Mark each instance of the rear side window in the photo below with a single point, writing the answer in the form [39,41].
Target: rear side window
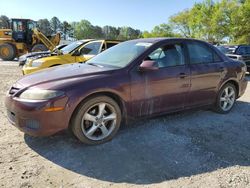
[109,45]
[201,53]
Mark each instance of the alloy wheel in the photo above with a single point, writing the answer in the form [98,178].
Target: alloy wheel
[99,121]
[227,98]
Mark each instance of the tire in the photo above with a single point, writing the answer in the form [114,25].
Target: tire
[7,52]
[94,126]
[228,98]
[39,48]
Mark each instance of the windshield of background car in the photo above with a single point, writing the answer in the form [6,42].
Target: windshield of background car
[121,54]
[243,50]
[71,47]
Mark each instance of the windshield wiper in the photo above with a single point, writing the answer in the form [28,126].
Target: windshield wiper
[94,64]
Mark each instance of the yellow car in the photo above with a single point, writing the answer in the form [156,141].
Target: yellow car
[79,51]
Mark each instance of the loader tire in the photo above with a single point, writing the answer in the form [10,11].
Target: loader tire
[7,52]
[39,48]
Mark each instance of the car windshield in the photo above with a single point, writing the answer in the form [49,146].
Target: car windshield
[244,50]
[121,54]
[71,47]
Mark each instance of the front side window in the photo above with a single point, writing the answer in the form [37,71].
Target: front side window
[168,56]
[92,48]
[199,53]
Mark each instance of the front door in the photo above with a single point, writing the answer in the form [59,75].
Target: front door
[164,89]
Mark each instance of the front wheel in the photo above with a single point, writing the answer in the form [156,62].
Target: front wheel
[226,99]
[97,120]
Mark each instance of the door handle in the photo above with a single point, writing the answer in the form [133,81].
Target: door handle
[183,75]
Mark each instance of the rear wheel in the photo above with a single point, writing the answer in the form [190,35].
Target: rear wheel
[226,99]
[39,48]
[97,120]
[7,52]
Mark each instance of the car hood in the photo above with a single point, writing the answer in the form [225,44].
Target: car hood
[25,56]
[57,58]
[61,73]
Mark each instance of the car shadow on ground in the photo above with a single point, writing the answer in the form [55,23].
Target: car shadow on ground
[159,149]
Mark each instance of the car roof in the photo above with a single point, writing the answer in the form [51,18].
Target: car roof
[107,40]
[155,40]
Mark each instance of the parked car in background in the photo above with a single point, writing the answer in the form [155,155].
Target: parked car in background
[28,68]
[241,53]
[135,79]
[85,51]
[35,55]
[223,49]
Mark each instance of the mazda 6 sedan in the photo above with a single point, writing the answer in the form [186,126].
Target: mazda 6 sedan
[134,79]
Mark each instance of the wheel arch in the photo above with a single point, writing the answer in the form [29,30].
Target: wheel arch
[55,65]
[118,99]
[235,83]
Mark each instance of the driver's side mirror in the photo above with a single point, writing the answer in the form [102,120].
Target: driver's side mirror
[148,65]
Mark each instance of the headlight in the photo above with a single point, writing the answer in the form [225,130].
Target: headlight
[40,94]
[37,63]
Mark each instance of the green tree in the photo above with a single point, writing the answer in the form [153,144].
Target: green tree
[44,26]
[181,23]
[66,29]
[241,24]
[127,33]
[162,30]
[110,32]
[97,32]
[208,20]
[4,22]
[84,29]
[55,24]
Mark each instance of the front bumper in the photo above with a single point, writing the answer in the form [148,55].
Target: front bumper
[31,117]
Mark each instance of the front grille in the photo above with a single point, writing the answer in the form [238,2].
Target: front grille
[13,90]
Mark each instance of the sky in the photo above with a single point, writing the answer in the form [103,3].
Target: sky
[139,14]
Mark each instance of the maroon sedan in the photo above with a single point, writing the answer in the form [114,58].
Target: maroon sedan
[138,78]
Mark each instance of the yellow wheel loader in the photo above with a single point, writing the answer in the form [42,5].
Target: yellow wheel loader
[23,37]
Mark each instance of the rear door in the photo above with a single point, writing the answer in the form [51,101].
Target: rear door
[207,71]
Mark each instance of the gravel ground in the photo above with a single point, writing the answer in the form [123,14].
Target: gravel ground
[188,149]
